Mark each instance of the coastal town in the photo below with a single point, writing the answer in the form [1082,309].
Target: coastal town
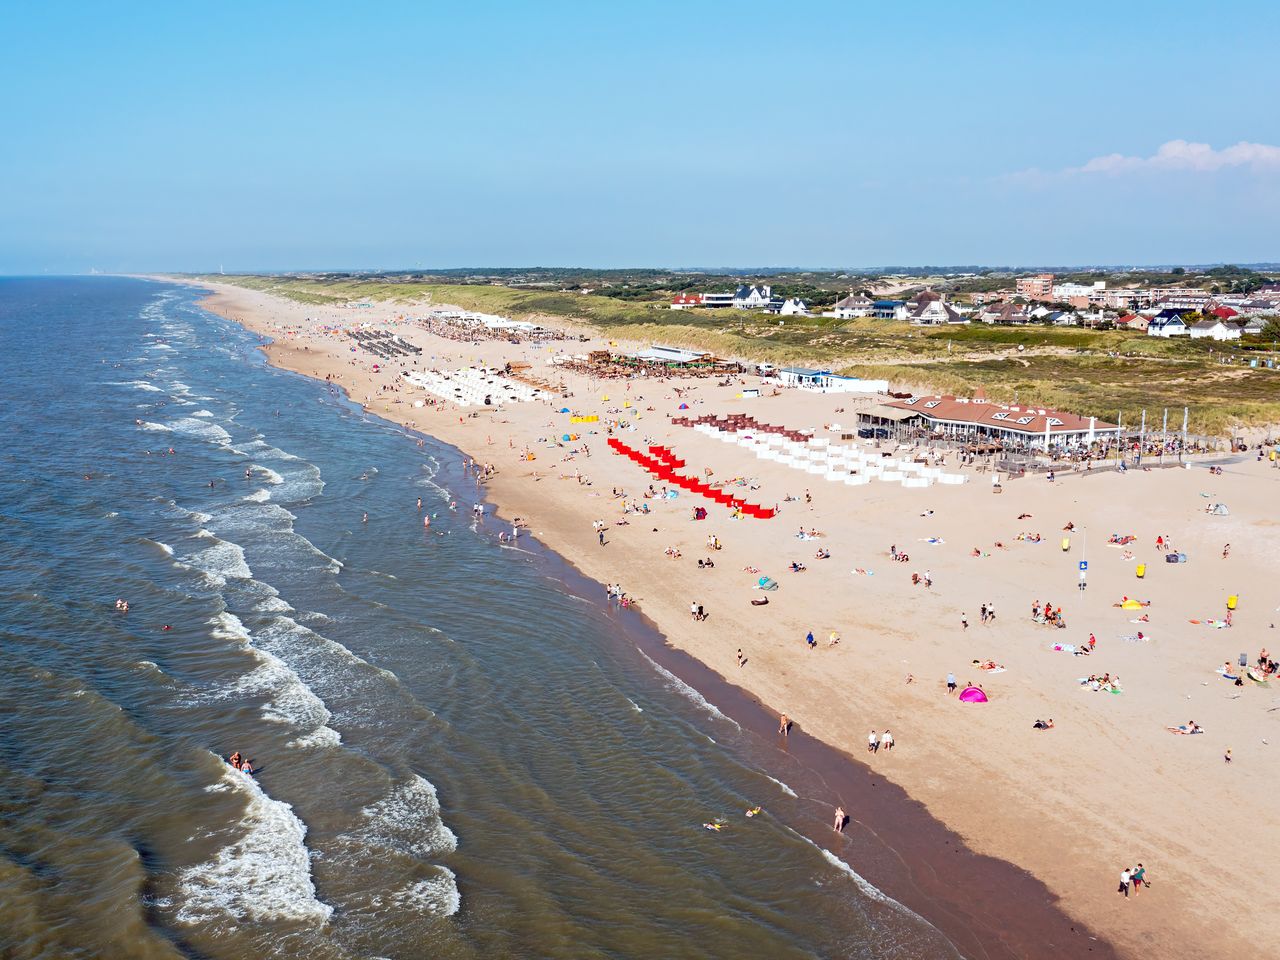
[1158,311]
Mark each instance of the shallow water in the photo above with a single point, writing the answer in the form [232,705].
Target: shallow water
[462,753]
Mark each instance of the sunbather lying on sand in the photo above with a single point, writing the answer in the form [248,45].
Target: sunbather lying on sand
[1187,729]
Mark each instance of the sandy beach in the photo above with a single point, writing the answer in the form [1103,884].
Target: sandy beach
[1108,787]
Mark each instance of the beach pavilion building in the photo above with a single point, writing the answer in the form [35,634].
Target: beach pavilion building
[979,420]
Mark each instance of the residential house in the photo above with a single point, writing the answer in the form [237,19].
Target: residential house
[1163,326]
[889,310]
[854,305]
[752,297]
[687,301]
[1063,318]
[717,300]
[1252,327]
[1223,313]
[1214,329]
[1005,313]
[1132,321]
[792,307]
[929,309]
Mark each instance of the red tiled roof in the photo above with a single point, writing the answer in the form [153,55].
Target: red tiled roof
[1225,313]
[1023,419]
[684,298]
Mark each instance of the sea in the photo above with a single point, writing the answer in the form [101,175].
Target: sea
[462,748]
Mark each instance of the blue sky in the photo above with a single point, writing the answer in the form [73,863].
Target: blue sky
[140,136]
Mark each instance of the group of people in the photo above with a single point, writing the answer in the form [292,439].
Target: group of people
[1133,877]
[877,742]
[1049,615]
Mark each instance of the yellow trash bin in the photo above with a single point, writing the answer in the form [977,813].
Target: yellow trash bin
[1232,601]
[1140,570]
[1066,544]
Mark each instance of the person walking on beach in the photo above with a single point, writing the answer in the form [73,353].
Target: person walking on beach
[982,613]
[873,742]
[886,740]
[600,534]
[951,683]
[784,725]
[964,621]
[810,641]
[1125,877]
[1139,877]
[741,657]
[838,824]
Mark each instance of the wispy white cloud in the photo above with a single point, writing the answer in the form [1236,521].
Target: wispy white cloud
[1183,155]
[1174,156]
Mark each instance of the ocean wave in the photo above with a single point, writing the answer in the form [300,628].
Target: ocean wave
[269,475]
[408,820]
[162,547]
[867,888]
[263,875]
[258,496]
[688,692]
[136,384]
[437,895]
[301,485]
[154,427]
[203,413]
[218,562]
[785,789]
[292,702]
[201,429]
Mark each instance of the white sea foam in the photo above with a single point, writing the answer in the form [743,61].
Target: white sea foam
[219,561]
[164,547]
[268,474]
[301,484]
[408,820]
[686,691]
[635,705]
[200,429]
[263,875]
[258,496]
[868,889]
[785,789]
[292,702]
[437,895]
[154,427]
[203,413]
[137,385]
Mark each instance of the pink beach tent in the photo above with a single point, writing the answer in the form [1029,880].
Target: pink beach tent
[973,695]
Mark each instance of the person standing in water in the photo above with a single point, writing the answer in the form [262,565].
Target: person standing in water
[838,825]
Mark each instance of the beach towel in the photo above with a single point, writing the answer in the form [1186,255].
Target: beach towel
[1064,647]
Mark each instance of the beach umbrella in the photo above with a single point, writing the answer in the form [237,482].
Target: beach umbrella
[973,695]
